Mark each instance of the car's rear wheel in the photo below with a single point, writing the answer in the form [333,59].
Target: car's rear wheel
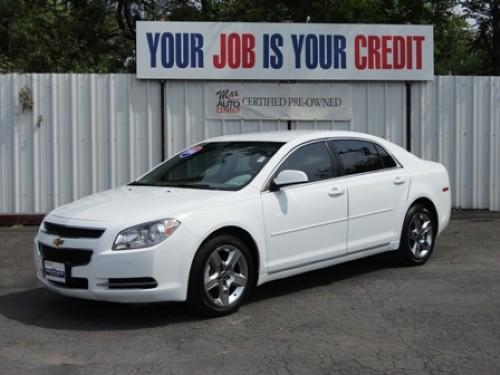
[418,236]
[221,276]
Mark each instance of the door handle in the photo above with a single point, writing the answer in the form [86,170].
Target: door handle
[335,192]
[399,181]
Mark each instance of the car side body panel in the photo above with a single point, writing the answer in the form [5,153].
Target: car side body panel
[432,183]
[243,213]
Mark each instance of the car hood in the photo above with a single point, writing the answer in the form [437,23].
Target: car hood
[146,202]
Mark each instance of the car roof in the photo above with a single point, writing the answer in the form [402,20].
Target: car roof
[287,136]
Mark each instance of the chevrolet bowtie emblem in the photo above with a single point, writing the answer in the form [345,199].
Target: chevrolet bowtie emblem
[58,242]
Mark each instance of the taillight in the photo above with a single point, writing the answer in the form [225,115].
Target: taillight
[445,189]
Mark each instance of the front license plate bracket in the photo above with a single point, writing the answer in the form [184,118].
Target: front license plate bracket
[55,271]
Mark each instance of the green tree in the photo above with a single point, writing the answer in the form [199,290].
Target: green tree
[99,35]
[485,16]
[60,36]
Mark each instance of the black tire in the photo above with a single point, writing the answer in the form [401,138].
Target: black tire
[205,302]
[414,248]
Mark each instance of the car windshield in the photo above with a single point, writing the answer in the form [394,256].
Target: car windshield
[215,165]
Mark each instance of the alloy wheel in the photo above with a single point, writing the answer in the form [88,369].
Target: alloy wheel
[225,275]
[420,235]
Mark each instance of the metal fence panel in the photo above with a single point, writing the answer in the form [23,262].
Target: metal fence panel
[84,133]
[87,132]
[456,121]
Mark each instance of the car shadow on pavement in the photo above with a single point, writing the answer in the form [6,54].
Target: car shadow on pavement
[42,308]
[325,276]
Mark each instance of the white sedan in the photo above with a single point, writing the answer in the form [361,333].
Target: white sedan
[234,212]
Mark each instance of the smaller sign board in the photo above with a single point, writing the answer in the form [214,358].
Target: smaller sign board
[260,101]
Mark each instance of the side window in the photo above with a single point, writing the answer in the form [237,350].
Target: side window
[357,156]
[313,159]
[387,159]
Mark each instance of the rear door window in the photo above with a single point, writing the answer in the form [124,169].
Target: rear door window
[357,156]
[387,160]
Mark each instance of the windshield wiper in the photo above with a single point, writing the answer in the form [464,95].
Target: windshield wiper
[137,183]
[174,184]
[188,185]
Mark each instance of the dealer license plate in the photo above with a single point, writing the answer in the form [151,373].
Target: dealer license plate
[54,271]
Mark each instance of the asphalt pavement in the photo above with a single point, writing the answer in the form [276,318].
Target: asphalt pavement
[370,316]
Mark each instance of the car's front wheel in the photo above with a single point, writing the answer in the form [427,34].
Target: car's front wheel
[417,238]
[221,276]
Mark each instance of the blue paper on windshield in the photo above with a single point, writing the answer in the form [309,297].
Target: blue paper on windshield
[190,151]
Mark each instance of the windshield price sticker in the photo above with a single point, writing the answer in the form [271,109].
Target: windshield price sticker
[191,151]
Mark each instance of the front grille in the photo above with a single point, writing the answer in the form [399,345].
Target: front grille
[72,232]
[71,257]
[132,283]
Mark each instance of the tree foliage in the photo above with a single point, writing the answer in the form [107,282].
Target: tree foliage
[61,36]
[99,35]
[486,42]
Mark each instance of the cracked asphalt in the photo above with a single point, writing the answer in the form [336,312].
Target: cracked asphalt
[364,317]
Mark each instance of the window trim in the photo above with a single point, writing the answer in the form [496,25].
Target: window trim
[335,159]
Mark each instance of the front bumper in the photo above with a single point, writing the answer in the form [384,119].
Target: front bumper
[168,263]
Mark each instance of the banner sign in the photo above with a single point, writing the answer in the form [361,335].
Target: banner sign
[283,51]
[260,101]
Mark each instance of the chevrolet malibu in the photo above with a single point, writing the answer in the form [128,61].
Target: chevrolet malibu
[234,212]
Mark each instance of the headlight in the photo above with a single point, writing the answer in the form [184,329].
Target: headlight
[145,235]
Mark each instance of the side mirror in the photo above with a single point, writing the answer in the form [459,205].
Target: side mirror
[288,177]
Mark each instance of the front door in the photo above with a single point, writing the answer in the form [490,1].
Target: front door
[306,223]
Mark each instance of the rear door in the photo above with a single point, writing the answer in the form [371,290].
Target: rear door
[377,187]
[306,223]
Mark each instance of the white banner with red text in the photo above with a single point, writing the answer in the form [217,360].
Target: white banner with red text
[279,51]
[262,101]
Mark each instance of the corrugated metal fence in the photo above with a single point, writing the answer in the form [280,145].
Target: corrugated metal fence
[86,133]
[456,121]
